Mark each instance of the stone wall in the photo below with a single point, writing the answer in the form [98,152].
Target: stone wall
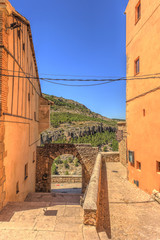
[122,139]
[85,153]
[96,204]
[3,103]
[110,156]
[66,179]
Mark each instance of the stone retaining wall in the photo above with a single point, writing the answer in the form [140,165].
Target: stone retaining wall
[122,142]
[96,204]
[91,201]
[66,179]
[110,156]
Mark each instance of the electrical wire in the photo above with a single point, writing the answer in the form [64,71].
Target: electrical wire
[85,80]
[106,78]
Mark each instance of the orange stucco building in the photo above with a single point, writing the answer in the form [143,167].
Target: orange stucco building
[143,95]
[24,113]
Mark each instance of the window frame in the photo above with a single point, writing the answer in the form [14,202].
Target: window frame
[26,171]
[158,167]
[137,16]
[135,66]
[34,157]
[139,165]
[17,187]
[132,162]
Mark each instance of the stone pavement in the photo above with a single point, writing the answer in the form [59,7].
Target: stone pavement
[45,217]
[133,215]
[66,187]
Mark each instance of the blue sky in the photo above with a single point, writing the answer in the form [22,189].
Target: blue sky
[81,37]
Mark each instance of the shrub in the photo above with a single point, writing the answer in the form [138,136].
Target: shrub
[115,145]
[54,169]
[105,149]
[58,161]
[66,173]
[66,164]
[76,162]
[70,160]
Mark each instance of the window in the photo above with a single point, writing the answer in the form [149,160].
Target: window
[26,171]
[137,12]
[158,166]
[144,112]
[136,66]
[131,157]
[19,34]
[34,156]
[17,187]
[136,182]
[139,165]
[24,47]
[29,97]
[35,116]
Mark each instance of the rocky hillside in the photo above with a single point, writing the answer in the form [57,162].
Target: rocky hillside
[73,122]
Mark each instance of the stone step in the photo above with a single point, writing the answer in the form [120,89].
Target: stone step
[103,236]
[90,233]
[53,197]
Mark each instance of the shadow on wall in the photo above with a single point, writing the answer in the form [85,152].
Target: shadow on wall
[103,202]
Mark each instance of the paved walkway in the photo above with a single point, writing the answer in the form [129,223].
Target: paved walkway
[66,187]
[133,213]
[45,217]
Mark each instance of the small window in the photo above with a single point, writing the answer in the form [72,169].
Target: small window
[136,66]
[131,157]
[158,166]
[19,34]
[144,112]
[35,116]
[136,182]
[139,165]
[24,47]
[17,187]
[29,97]
[34,156]
[137,12]
[26,171]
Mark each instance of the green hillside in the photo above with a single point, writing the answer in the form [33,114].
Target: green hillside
[73,119]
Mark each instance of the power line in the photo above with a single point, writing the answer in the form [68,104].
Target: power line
[86,80]
[102,81]
[72,85]
[106,78]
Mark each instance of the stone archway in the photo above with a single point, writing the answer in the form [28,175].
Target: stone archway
[45,155]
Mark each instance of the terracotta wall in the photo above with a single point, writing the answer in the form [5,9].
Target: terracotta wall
[19,105]
[142,111]
[3,107]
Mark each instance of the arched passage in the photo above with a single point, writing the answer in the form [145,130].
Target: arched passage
[45,155]
[66,175]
